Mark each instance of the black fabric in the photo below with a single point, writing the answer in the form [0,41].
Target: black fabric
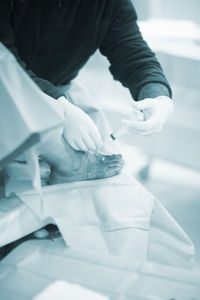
[53,39]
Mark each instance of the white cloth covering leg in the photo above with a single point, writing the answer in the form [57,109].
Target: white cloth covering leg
[108,215]
[22,109]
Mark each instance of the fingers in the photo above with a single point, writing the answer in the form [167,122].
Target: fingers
[155,113]
[78,144]
[91,146]
[151,132]
[90,140]
[73,144]
[153,118]
[152,125]
[89,143]
[83,144]
[145,104]
[79,130]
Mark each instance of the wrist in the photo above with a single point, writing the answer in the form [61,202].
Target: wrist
[61,99]
[153,90]
[65,104]
[164,98]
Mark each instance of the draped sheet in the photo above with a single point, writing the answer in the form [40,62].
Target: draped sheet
[116,215]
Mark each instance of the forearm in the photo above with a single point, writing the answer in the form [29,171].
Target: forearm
[46,86]
[132,61]
[153,90]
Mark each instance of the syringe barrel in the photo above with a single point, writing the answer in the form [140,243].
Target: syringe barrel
[118,132]
[137,116]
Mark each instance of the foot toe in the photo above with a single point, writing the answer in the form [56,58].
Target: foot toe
[113,171]
[113,161]
[115,164]
[111,158]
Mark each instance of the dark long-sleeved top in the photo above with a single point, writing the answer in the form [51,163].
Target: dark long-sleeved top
[53,39]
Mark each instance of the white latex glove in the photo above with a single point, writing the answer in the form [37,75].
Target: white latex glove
[80,131]
[156,112]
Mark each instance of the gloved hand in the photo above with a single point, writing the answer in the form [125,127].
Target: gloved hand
[80,131]
[156,112]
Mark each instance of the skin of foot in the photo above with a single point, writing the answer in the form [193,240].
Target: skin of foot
[79,166]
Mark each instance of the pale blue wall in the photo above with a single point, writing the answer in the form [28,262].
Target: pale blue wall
[174,9]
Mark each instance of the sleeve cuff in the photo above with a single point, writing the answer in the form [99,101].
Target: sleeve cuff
[151,90]
[48,88]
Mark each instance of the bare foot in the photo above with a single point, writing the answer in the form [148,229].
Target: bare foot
[79,166]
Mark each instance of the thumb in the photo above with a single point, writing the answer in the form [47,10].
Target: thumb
[145,104]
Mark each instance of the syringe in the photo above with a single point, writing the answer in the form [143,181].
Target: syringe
[137,115]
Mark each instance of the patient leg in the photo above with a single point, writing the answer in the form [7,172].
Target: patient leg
[19,170]
[68,165]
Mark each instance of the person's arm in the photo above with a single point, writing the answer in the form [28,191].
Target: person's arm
[153,90]
[132,61]
[134,64]
[79,130]
[7,37]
